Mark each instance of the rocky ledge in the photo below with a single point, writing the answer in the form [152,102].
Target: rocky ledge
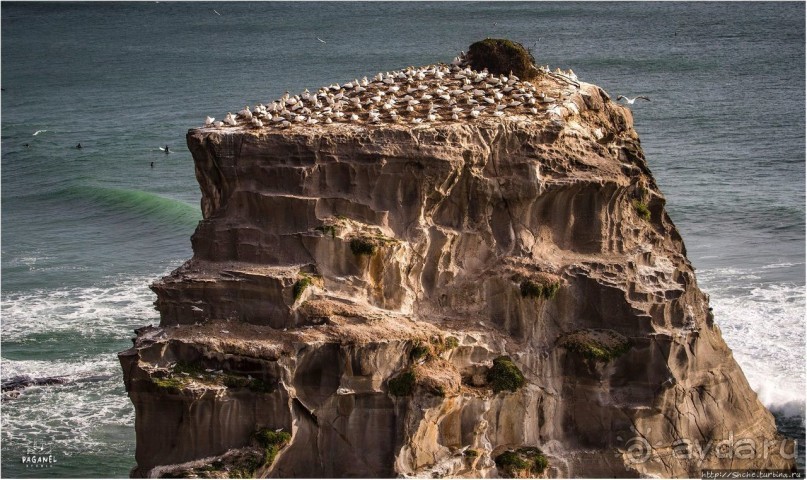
[493,295]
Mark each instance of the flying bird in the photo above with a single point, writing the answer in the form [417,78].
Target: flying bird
[217,13]
[321,40]
[39,131]
[631,100]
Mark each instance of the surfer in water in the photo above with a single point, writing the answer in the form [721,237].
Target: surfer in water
[78,146]
[152,164]
[166,149]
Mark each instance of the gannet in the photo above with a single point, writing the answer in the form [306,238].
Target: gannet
[321,40]
[246,113]
[38,132]
[631,100]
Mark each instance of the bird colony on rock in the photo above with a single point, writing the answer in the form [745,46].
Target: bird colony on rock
[413,96]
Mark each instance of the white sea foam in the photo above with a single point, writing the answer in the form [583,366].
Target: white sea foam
[75,417]
[763,323]
[107,310]
[92,411]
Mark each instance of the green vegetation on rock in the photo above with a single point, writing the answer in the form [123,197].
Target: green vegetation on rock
[272,442]
[440,345]
[597,351]
[419,351]
[184,374]
[527,461]
[602,349]
[502,57]
[172,384]
[403,385]
[641,209]
[505,375]
[530,289]
[362,246]
[246,469]
[300,286]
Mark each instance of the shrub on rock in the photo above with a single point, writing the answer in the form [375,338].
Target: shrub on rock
[505,375]
[502,57]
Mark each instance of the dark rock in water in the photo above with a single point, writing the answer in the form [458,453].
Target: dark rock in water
[93,378]
[23,381]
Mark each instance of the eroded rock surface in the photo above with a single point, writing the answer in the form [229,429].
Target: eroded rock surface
[352,284]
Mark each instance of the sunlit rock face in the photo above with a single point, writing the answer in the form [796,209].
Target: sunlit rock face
[353,282]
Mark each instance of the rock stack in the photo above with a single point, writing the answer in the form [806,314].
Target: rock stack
[492,295]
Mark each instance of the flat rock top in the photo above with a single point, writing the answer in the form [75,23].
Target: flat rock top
[411,98]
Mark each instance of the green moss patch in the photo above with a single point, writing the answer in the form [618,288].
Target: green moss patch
[502,57]
[403,385]
[523,462]
[184,374]
[641,209]
[505,375]
[419,351]
[531,289]
[362,246]
[272,442]
[172,384]
[451,343]
[598,345]
[440,344]
[181,375]
[300,286]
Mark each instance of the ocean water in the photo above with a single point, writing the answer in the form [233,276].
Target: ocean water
[85,231]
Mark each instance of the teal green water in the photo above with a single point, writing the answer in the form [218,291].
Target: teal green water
[85,231]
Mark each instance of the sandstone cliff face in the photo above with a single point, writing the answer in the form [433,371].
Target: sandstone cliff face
[333,260]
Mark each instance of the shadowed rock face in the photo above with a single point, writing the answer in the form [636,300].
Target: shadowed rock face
[431,251]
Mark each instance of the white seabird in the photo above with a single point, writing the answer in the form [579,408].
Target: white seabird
[39,131]
[209,121]
[631,100]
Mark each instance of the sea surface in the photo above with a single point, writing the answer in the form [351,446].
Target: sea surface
[84,231]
